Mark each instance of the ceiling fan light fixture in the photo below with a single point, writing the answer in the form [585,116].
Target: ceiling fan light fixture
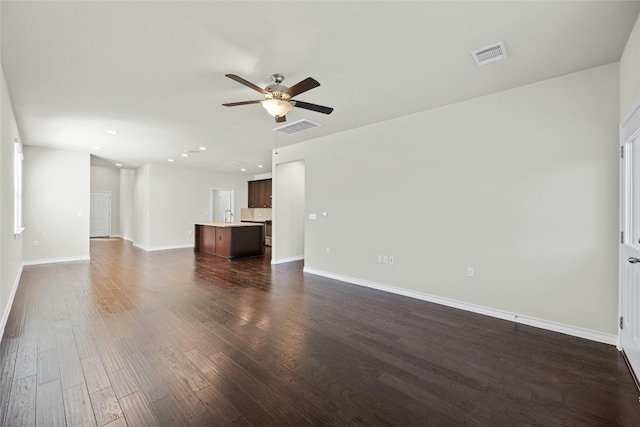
[277,107]
[278,98]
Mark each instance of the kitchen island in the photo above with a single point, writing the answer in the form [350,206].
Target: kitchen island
[229,240]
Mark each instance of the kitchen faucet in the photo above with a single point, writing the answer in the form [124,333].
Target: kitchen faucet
[224,220]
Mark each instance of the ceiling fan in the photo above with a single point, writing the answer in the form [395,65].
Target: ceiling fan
[277,98]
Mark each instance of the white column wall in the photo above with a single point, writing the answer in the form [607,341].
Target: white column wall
[290,183]
[141,185]
[127,179]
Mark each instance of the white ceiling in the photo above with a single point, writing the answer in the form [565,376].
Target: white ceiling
[154,71]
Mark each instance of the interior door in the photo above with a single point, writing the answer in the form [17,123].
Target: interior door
[630,248]
[221,201]
[100,214]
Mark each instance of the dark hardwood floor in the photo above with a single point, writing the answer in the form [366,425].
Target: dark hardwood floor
[177,338]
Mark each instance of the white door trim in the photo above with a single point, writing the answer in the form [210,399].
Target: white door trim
[212,195]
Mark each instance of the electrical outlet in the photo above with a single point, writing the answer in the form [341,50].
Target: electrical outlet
[35,243]
[391,260]
[379,258]
[470,272]
[312,216]
[385,259]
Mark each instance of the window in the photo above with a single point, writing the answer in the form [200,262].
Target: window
[17,186]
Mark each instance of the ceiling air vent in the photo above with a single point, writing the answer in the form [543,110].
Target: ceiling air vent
[297,126]
[489,54]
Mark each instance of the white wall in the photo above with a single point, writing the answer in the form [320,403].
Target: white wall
[10,245]
[178,197]
[127,180]
[267,175]
[56,205]
[108,179]
[158,204]
[520,185]
[630,73]
[290,183]
[141,206]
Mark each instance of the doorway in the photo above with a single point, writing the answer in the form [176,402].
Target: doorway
[630,243]
[100,214]
[220,202]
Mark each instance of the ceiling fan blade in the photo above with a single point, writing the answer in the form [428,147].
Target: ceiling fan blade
[280,119]
[303,86]
[246,83]
[313,107]
[233,104]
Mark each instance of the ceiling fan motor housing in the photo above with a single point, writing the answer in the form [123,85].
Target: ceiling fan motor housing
[277,92]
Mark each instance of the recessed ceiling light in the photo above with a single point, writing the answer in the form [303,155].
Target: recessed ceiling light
[96,148]
[185,154]
[260,166]
[118,164]
[203,148]
[169,160]
[243,170]
[237,162]
[112,132]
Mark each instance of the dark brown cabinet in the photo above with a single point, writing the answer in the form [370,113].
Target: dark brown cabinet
[260,193]
[231,240]
[223,242]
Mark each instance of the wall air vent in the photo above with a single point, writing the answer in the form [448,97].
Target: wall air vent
[296,127]
[489,54]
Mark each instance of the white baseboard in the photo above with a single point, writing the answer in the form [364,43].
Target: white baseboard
[56,260]
[284,260]
[500,314]
[7,309]
[161,248]
[143,247]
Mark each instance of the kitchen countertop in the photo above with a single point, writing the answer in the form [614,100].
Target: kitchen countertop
[230,224]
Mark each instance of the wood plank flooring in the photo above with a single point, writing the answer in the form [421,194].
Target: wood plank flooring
[177,338]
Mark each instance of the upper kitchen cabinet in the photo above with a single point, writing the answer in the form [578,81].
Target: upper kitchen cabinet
[260,193]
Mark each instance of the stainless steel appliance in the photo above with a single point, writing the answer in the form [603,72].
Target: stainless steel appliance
[267,232]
